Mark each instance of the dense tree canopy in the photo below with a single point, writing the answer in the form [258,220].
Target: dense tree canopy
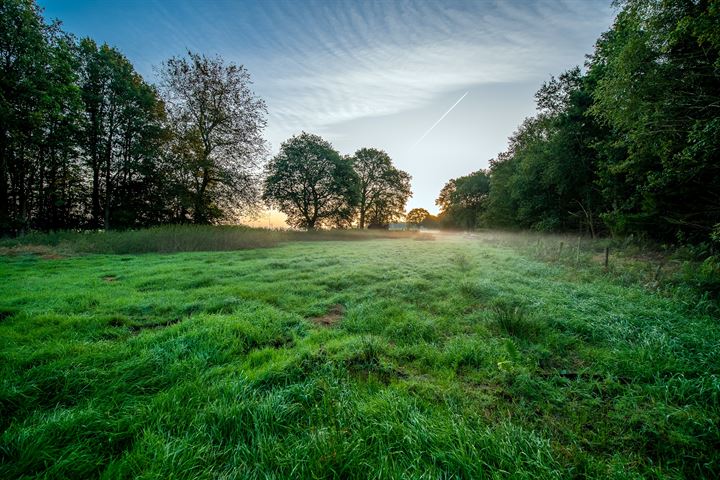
[218,123]
[39,114]
[384,190]
[630,145]
[85,142]
[416,216]
[546,180]
[122,136]
[658,88]
[312,183]
[462,200]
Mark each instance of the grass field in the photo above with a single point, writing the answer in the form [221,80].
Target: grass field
[452,357]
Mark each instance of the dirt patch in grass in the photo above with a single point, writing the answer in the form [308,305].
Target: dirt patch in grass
[333,316]
[109,278]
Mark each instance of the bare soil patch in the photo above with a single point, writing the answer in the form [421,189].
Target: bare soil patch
[333,316]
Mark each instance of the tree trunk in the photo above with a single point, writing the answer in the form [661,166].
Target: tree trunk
[108,166]
[95,163]
[4,204]
[199,214]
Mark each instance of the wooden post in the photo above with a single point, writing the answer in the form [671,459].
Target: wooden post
[560,252]
[607,257]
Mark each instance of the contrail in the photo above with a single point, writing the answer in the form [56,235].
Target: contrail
[439,120]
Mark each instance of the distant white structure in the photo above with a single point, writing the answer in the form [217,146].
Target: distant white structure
[402,226]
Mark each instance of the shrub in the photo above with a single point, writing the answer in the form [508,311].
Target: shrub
[513,320]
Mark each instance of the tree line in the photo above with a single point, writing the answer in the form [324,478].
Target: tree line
[317,187]
[87,143]
[627,145]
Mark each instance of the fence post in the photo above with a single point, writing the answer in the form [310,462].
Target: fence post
[607,257]
[560,252]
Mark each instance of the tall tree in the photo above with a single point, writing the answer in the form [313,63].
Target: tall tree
[59,187]
[547,179]
[218,123]
[38,107]
[416,216]
[659,90]
[312,183]
[462,200]
[122,137]
[384,189]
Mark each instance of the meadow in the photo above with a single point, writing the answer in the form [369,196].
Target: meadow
[255,354]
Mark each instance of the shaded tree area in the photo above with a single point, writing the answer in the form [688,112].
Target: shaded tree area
[658,88]
[547,179]
[630,145]
[462,200]
[316,187]
[122,135]
[311,183]
[217,123]
[86,142]
[384,189]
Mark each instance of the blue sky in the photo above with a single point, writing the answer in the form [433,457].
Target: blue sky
[374,73]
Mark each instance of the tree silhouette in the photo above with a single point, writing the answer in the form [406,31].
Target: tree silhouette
[311,183]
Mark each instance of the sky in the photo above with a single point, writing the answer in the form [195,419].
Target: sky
[369,73]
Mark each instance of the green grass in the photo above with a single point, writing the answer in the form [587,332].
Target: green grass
[462,357]
[177,238]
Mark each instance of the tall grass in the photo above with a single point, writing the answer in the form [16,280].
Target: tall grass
[180,238]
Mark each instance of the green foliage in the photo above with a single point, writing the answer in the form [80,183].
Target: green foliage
[462,200]
[383,189]
[417,216]
[629,146]
[123,133]
[658,85]
[547,179]
[86,143]
[312,184]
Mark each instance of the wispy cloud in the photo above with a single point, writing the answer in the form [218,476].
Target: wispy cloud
[320,63]
[369,72]
[336,62]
